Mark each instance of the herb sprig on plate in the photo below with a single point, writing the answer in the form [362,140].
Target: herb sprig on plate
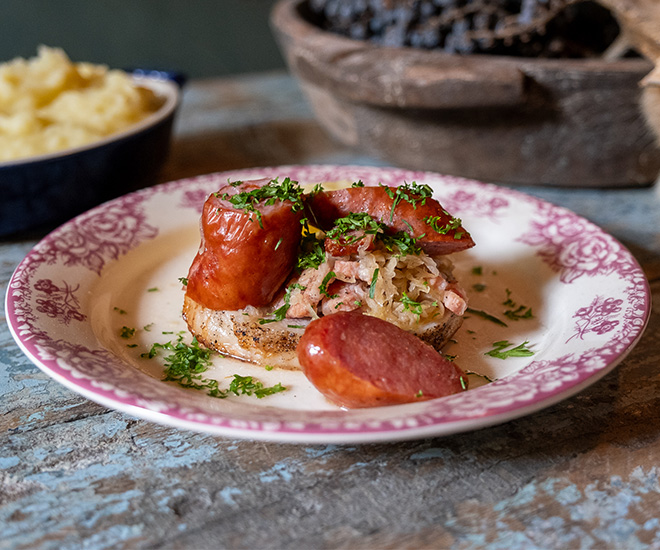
[186,363]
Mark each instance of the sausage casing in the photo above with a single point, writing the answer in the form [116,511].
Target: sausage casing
[243,259]
[357,361]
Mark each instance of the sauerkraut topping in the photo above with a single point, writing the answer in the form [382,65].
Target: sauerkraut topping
[408,289]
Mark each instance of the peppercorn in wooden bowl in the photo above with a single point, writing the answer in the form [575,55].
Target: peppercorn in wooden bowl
[548,98]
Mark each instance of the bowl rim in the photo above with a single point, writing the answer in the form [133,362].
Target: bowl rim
[286,17]
[417,78]
[161,86]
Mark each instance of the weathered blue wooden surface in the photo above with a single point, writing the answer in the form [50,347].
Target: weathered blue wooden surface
[582,474]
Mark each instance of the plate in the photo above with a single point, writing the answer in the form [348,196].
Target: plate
[539,276]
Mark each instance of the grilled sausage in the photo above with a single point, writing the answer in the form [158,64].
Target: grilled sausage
[244,258]
[444,235]
[357,361]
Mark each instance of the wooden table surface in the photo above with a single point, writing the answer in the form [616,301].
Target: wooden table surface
[581,474]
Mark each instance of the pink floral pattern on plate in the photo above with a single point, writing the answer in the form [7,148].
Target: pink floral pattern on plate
[47,308]
[58,302]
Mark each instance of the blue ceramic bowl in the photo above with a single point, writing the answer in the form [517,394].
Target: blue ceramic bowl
[46,190]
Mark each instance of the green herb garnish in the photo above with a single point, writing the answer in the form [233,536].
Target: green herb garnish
[411,193]
[153,289]
[453,223]
[517,312]
[357,184]
[183,281]
[120,311]
[500,352]
[411,305]
[280,312]
[186,363]
[486,316]
[355,221]
[247,385]
[372,286]
[323,287]
[288,190]
[312,253]
[127,332]
[405,242]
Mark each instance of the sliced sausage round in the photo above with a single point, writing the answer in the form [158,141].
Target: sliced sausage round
[357,361]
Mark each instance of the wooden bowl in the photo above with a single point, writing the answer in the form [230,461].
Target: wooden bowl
[563,122]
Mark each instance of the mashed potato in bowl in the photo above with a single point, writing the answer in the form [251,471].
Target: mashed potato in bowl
[49,104]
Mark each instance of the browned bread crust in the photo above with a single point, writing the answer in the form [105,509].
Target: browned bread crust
[240,335]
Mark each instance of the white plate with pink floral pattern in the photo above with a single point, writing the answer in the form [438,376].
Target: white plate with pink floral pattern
[119,265]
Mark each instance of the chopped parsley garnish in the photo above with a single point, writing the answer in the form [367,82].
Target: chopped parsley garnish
[486,316]
[186,363]
[318,188]
[153,289]
[477,270]
[279,242]
[372,286]
[183,281]
[280,312]
[522,312]
[120,311]
[463,383]
[500,352]
[127,332]
[358,183]
[323,287]
[453,223]
[479,287]
[517,312]
[247,385]
[405,242]
[355,221]
[312,253]
[411,305]
[288,190]
[364,224]
[148,327]
[412,193]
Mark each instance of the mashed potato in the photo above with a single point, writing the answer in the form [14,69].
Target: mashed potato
[48,103]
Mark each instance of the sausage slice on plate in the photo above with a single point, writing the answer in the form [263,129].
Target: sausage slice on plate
[357,361]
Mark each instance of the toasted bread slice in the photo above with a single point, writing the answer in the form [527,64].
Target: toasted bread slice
[240,335]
